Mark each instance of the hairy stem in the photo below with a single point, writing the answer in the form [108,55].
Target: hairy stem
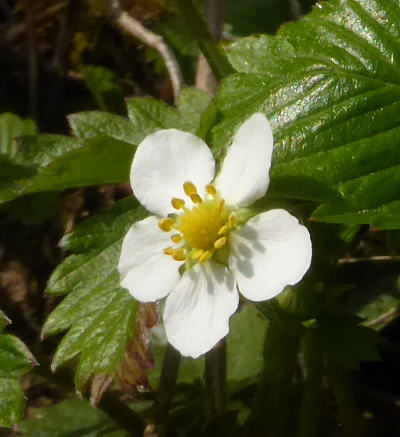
[272,403]
[215,378]
[343,389]
[311,403]
[165,392]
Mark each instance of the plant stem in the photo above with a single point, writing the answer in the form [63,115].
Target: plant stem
[343,389]
[215,377]
[311,403]
[219,64]
[272,403]
[165,392]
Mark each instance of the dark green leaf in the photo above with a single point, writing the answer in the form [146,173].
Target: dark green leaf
[347,342]
[105,88]
[15,358]
[67,419]
[191,104]
[149,115]
[11,402]
[90,124]
[98,313]
[330,85]
[103,160]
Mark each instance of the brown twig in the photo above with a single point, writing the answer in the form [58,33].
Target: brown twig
[379,258]
[213,14]
[146,36]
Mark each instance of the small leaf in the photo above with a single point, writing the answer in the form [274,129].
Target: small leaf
[149,115]
[15,357]
[91,124]
[191,104]
[11,127]
[105,88]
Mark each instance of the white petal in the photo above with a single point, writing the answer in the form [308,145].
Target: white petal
[197,312]
[270,251]
[244,175]
[145,270]
[163,162]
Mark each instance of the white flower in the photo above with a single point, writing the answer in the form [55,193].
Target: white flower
[197,249]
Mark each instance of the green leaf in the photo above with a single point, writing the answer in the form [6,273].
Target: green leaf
[11,127]
[98,313]
[191,104]
[105,88]
[69,418]
[90,124]
[330,85]
[15,357]
[245,345]
[102,160]
[149,115]
[11,402]
[347,342]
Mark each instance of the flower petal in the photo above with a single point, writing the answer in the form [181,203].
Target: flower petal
[244,175]
[163,162]
[197,312]
[145,270]
[270,251]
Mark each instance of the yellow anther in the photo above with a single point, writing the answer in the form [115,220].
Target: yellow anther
[166,224]
[223,230]
[221,205]
[195,198]
[179,255]
[232,221]
[168,251]
[205,256]
[211,190]
[189,188]
[197,253]
[176,238]
[177,203]
[220,242]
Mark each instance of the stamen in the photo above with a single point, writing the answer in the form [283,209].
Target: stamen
[223,230]
[197,253]
[205,256]
[189,188]
[221,205]
[177,203]
[168,251]
[232,221]
[195,198]
[176,238]
[220,242]
[179,255]
[166,224]
[211,190]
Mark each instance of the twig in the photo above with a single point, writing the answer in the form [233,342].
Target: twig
[136,29]
[379,258]
[213,14]
[11,34]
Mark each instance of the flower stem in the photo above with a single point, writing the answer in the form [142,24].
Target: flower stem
[219,64]
[165,392]
[272,402]
[311,403]
[343,389]
[215,377]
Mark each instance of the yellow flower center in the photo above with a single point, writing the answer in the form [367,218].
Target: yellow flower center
[201,231]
